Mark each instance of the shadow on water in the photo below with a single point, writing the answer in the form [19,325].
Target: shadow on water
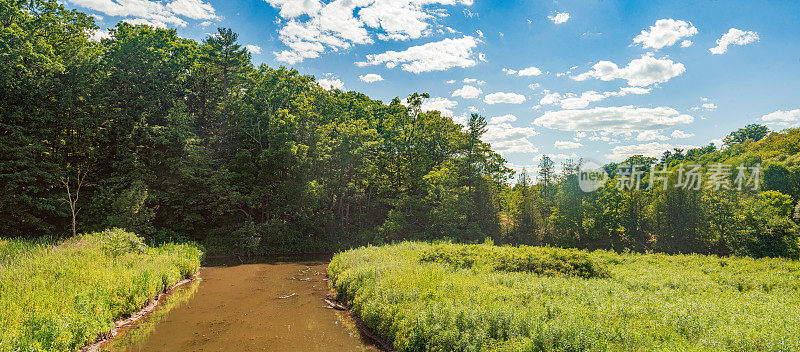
[247,304]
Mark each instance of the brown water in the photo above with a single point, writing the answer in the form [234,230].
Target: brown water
[248,307]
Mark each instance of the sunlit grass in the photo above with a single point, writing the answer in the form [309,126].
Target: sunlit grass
[58,298]
[652,302]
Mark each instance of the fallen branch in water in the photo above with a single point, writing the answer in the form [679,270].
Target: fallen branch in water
[287,296]
[335,305]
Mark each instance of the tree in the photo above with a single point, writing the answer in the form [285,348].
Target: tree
[72,198]
[546,174]
[752,132]
[476,127]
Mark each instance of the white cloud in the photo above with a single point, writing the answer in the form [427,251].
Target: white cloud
[533,86]
[434,56]
[733,37]
[678,134]
[295,8]
[567,145]
[370,78]
[330,84]
[782,118]
[154,13]
[311,27]
[686,43]
[665,32]
[574,101]
[646,136]
[530,71]
[99,34]
[472,109]
[194,9]
[443,105]
[706,107]
[559,18]
[253,49]
[654,150]
[506,138]
[468,92]
[502,119]
[639,72]
[504,98]
[618,119]
[473,80]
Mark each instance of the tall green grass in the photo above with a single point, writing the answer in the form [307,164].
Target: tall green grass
[59,297]
[414,296]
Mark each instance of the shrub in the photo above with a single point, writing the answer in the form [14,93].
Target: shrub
[443,297]
[58,298]
[538,260]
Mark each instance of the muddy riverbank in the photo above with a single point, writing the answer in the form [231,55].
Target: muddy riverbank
[266,306]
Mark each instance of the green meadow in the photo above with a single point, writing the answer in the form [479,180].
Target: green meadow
[448,297]
[59,297]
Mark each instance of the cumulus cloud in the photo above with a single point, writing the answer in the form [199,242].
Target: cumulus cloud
[99,34]
[678,134]
[666,32]
[574,101]
[504,98]
[434,56]
[617,119]
[370,78]
[733,37]
[468,92]
[506,138]
[686,43]
[653,150]
[559,18]
[567,145]
[706,107]
[331,83]
[530,71]
[154,13]
[194,9]
[253,49]
[311,27]
[442,105]
[639,72]
[646,136]
[474,81]
[502,119]
[782,118]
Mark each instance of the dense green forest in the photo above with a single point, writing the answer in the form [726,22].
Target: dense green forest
[180,140]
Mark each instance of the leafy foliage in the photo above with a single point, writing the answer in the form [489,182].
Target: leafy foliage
[59,297]
[650,302]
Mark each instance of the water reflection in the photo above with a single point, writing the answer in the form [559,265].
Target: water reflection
[244,306]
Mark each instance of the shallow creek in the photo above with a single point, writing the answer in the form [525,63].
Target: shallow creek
[267,306]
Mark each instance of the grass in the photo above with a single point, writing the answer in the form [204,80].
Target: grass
[59,297]
[447,297]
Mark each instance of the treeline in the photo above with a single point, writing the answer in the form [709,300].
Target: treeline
[183,140]
[744,203]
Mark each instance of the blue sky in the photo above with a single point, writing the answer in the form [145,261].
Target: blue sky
[592,79]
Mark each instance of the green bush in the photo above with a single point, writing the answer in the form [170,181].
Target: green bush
[58,298]
[444,297]
[538,260]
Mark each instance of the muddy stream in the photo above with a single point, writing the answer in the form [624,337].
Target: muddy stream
[267,306]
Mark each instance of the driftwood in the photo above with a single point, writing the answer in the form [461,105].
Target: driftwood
[287,296]
[335,305]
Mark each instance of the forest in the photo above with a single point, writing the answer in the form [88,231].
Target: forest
[179,141]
